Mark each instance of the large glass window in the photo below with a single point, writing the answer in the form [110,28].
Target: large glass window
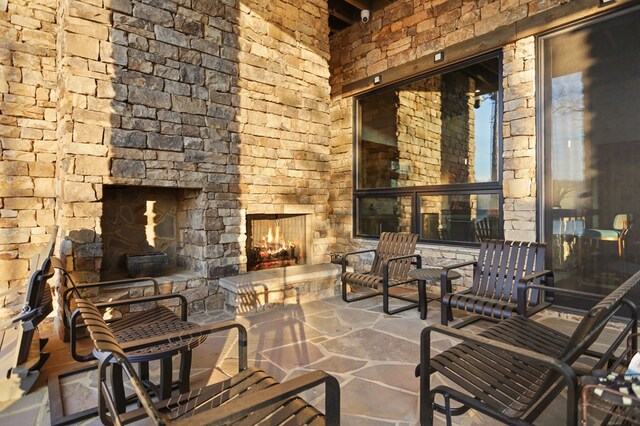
[431,147]
[591,99]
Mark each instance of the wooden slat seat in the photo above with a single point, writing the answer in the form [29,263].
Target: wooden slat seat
[514,369]
[248,398]
[502,267]
[391,263]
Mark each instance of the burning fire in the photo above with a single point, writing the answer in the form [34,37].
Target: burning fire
[275,244]
[272,250]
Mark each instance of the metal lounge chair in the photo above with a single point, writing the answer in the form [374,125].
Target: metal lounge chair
[21,348]
[502,267]
[156,320]
[513,370]
[391,263]
[251,397]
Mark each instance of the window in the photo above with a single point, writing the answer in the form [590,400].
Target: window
[590,80]
[428,155]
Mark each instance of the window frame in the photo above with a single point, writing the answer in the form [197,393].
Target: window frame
[415,192]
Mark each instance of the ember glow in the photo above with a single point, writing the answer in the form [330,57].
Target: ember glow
[275,244]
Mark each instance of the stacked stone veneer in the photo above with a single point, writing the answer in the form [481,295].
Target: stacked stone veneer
[28,96]
[284,116]
[405,31]
[227,101]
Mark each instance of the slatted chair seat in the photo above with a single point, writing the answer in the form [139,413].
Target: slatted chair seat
[250,397]
[502,267]
[513,370]
[134,332]
[527,333]
[505,382]
[391,263]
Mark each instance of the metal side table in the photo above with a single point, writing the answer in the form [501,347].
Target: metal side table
[430,275]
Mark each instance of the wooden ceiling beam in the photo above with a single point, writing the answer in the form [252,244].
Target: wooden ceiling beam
[341,16]
[360,4]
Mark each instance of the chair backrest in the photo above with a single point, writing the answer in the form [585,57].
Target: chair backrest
[394,244]
[588,330]
[501,264]
[608,306]
[622,221]
[107,350]
[487,229]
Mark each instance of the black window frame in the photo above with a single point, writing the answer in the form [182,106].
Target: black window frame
[415,192]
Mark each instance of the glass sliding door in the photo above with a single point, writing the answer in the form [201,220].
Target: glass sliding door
[590,81]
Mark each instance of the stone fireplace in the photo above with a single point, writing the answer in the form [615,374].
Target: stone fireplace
[276,240]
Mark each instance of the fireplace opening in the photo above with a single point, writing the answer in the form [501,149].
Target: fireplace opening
[276,241]
[140,228]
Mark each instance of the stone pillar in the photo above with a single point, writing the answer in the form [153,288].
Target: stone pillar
[519,140]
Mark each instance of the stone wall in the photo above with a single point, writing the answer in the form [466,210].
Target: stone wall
[27,134]
[226,101]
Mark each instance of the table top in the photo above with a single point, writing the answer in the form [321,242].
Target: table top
[431,274]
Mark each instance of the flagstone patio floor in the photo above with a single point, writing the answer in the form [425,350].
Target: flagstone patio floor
[373,355]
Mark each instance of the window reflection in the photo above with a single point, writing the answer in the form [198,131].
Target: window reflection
[437,130]
[384,214]
[592,144]
[472,217]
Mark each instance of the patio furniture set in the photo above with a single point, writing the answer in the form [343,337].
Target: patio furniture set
[515,368]
[511,371]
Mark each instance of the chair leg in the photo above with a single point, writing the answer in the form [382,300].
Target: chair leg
[445,309]
[166,373]
[385,302]
[118,388]
[355,299]
[426,408]
[185,371]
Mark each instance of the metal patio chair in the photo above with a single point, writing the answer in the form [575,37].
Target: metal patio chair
[513,370]
[391,263]
[248,398]
[502,267]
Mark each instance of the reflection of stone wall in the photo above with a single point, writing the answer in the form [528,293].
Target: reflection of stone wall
[458,132]
[419,135]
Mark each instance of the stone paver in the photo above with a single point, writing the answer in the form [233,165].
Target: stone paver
[372,355]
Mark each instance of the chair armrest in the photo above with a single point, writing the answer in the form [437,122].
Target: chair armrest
[526,280]
[351,253]
[24,316]
[237,409]
[145,299]
[522,294]
[444,273]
